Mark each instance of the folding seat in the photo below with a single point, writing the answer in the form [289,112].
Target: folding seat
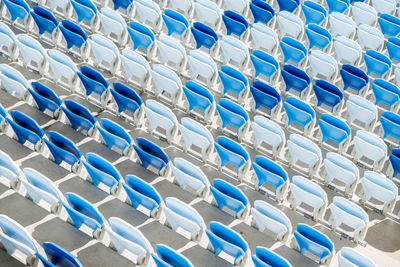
[341,25]
[181,215]
[166,81]
[262,11]
[268,172]
[63,149]
[390,25]
[393,48]
[149,14]
[354,78]
[41,189]
[176,24]
[234,83]
[234,52]
[377,63]
[328,96]
[166,256]
[370,37]
[3,121]
[14,237]
[135,68]
[45,98]
[238,6]
[369,150]
[296,80]
[311,240]
[143,38]
[60,8]
[75,37]
[58,256]
[313,12]
[265,65]
[114,135]
[289,6]
[26,129]
[337,5]
[195,134]
[127,238]
[85,13]
[345,213]
[128,100]
[113,26]
[334,132]
[62,69]
[318,37]
[293,51]
[235,24]
[304,150]
[390,129]
[172,53]
[337,168]
[384,6]
[224,239]
[363,13]
[31,53]
[13,81]
[265,257]
[46,23]
[143,195]
[267,132]
[290,25]
[265,97]
[184,7]
[203,67]
[94,82]
[124,7]
[9,170]
[82,212]
[105,53]
[323,64]
[347,50]
[208,13]
[299,113]
[386,94]
[264,38]
[7,42]
[378,192]
[351,257]
[232,118]
[200,100]
[17,12]
[151,155]
[79,116]
[394,166]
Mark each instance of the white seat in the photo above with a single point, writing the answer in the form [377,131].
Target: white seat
[347,50]
[32,53]
[290,24]
[149,13]
[239,6]
[350,257]
[341,24]
[7,41]
[363,13]
[166,80]
[203,67]
[13,81]
[369,149]
[208,13]
[113,25]
[62,67]
[264,38]
[106,53]
[323,64]
[172,52]
[370,37]
[235,52]
[60,7]
[182,6]
[384,6]
[9,170]
[361,112]
[135,67]
[397,74]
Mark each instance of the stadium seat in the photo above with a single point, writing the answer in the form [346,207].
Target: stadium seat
[361,112]
[208,13]
[176,23]
[172,53]
[313,12]
[390,127]
[349,256]
[204,35]
[46,23]
[363,13]
[17,12]
[265,257]
[135,68]
[293,51]
[369,150]
[114,135]
[264,38]
[105,53]
[234,83]
[233,118]
[151,155]
[75,37]
[9,170]
[386,94]
[128,101]
[333,129]
[328,96]
[347,50]
[384,6]
[377,63]
[166,256]
[7,41]
[234,52]
[265,97]
[142,37]
[184,7]
[234,23]
[304,150]
[203,68]
[354,78]
[262,11]
[389,24]
[31,52]
[79,116]
[323,64]
[267,132]
[94,82]
[113,26]
[393,48]
[58,256]
[200,100]
[296,79]
[394,166]
[166,81]
[340,24]
[318,37]
[63,69]
[149,14]
[290,25]
[299,113]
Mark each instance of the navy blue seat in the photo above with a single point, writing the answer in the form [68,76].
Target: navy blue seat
[142,37]
[58,256]
[394,168]
[79,116]
[233,81]
[94,82]
[354,78]
[288,5]
[262,11]
[167,257]
[45,98]
[234,115]
[114,135]
[127,99]
[391,125]
[393,48]
[266,257]
[313,12]
[334,129]
[150,154]
[73,34]
[264,64]
[318,36]
[44,19]
[124,4]
[386,93]
[338,5]
[293,50]
[295,79]
[299,112]
[175,22]
[204,35]
[199,97]
[265,96]
[390,25]
[234,23]
[377,63]
[329,95]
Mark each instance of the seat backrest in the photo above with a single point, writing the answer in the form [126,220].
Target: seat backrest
[350,256]
[167,256]
[310,187]
[265,257]
[59,255]
[313,12]
[234,23]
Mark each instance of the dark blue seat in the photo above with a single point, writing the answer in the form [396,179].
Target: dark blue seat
[79,116]
[58,256]
[390,25]
[266,257]
[262,11]
[393,48]
[264,63]
[328,94]
[353,78]
[124,4]
[203,35]
[167,257]
[126,98]
[313,12]
[337,5]
[114,135]
[299,112]
[234,23]
[386,93]
[94,82]
[73,34]
[394,158]
[141,35]
[334,129]
[288,5]
[45,98]
[17,8]
[295,78]
[44,19]
[198,96]
[318,36]
[151,154]
[175,22]
[391,125]
[377,63]
[293,50]
[233,80]
[84,9]
[265,96]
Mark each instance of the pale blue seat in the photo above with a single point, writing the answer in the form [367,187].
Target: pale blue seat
[394,166]
[167,256]
[313,12]
[105,53]
[13,81]
[79,116]
[264,38]
[341,25]
[370,37]
[199,98]
[262,11]
[323,64]
[234,115]
[234,83]
[300,113]
[268,132]
[389,24]
[290,24]
[172,53]
[384,6]
[328,95]
[234,23]
[235,52]
[59,7]
[208,13]
[142,37]
[45,98]
[266,257]
[58,256]
[369,150]
[293,50]
[9,170]
[347,50]
[390,122]
[203,67]
[296,79]
[184,7]
[335,130]
[113,25]
[63,69]
[361,112]
[363,13]
[74,36]
[151,155]
[377,63]
[94,83]
[265,97]
[114,135]
[31,52]
[386,94]
[135,67]
[128,101]
[304,150]
[354,78]
[166,81]
[148,13]
[7,41]
[265,65]
[351,257]
[240,6]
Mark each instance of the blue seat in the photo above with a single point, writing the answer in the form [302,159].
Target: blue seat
[9,170]
[390,122]
[234,115]
[267,97]
[148,13]
[102,171]
[167,256]
[386,93]
[271,173]
[13,81]
[266,257]
[262,11]
[264,64]
[31,52]
[311,240]
[3,116]
[127,99]
[26,129]
[142,37]
[45,98]
[328,94]
[82,212]
[123,4]
[104,53]
[369,150]
[313,12]
[79,116]
[349,256]
[334,129]
[18,9]
[204,69]
[394,166]
[141,193]
[63,149]
[7,41]
[224,239]
[199,97]
[94,82]
[393,48]
[234,23]
[208,12]
[318,36]
[73,34]
[234,82]
[361,112]
[377,63]
[135,68]
[234,52]
[299,112]
[150,154]
[114,135]
[166,80]
[175,22]
[338,5]
[113,25]
[58,256]
[229,196]
[233,153]
[296,79]
[302,149]
[293,50]
[204,35]
[44,19]
[354,78]
[390,25]
[288,5]
[85,10]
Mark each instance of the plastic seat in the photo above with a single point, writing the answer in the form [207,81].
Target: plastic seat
[224,239]
[289,6]
[361,112]
[63,69]
[318,36]
[182,215]
[349,257]
[7,41]
[172,53]
[234,23]
[266,97]
[105,53]
[142,37]
[335,130]
[369,150]
[31,52]
[144,195]
[268,132]
[346,213]
[323,64]
[264,38]
[123,6]
[13,81]
[268,172]
[393,48]
[160,116]
[125,237]
[262,11]
[397,74]
[175,22]
[182,6]
[59,7]
[234,52]
[3,116]
[18,12]
[234,116]
[299,113]
[234,83]
[135,67]
[208,13]
[363,13]
[394,166]
[342,170]
[15,237]
[296,79]
[309,239]
[347,50]
[337,5]
[384,6]
[265,65]
[199,98]
[114,135]
[63,149]
[195,134]
[79,116]
[390,126]
[166,81]
[375,187]
[390,25]
[128,100]
[233,153]
[290,24]
[354,78]
[9,170]
[341,25]
[303,150]
[328,96]
[148,13]
[45,21]
[85,11]
[75,37]
[113,25]
[293,50]
[82,212]
[265,257]
[377,63]
[94,83]
[313,12]
[203,67]
[190,176]
[45,98]
[386,93]
[370,37]
[166,256]
[151,155]
[236,6]
[58,256]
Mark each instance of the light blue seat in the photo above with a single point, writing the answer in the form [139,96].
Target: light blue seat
[85,11]
[347,50]
[323,65]
[46,22]
[125,237]
[172,53]
[377,63]
[335,130]
[166,256]
[313,12]
[285,5]
[148,13]
[15,237]
[318,36]
[105,53]
[199,97]
[304,150]
[264,64]
[7,41]
[45,98]
[369,150]
[209,13]
[63,149]
[228,196]
[354,78]
[290,24]
[384,6]
[265,97]
[175,22]
[386,94]
[394,166]
[262,11]
[232,114]
[3,116]
[350,257]
[235,52]
[341,25]
[31,52]
[94,82]
[293,50]
[337,5]
[102,171]
[268,132]
[140,193]
[141,36]
[241,6]
[114,135]
[361,112]
[113,25]
[204,35]
[63,69]
[393,48]
[79,116]
[135,68]
[151,155]
[26,129]
[234,23]
[13,81]
[234,83]
[58,256]
[82,212]
[266,216]
[183,216]
[363,13]
[18,12]
[390,25]
[224,239]
[266,257]
[296,79]
[203,67]
[128,100]
[264,38]
[184,7]
[328,95]
[60,7]
[166,81]
[370,37]
[9,170]
[300,113]
[74,35]
[309,239]
[390,122]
